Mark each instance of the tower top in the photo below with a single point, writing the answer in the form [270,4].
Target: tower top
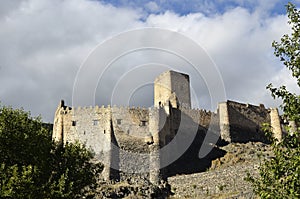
[172,88]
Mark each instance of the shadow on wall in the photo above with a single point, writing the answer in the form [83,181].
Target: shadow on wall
[245,125]
[115,156]
[189,137]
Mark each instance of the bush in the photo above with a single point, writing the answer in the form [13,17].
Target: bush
[279,176]
[33,166]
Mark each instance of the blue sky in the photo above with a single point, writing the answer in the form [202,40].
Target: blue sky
[184,7]
[44,43]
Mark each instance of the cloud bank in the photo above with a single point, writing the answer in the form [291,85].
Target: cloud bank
[43,44]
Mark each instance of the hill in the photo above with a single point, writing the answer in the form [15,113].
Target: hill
[226,176]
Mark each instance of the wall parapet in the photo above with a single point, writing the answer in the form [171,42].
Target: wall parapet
[107,129]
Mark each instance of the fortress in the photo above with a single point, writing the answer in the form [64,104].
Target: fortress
[164,140]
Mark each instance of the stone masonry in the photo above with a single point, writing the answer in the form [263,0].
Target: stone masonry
[164,140]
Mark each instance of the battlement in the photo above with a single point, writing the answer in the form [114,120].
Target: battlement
[113,132]
[241,122]
[100,108]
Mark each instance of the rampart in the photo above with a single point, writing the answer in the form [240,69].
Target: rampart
[131,141]
[243,122]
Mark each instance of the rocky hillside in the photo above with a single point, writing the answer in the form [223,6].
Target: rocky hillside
[225,178]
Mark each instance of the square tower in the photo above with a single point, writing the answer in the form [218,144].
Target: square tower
[172,88]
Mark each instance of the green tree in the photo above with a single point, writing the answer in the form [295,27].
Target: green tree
[33,166]
[279,176]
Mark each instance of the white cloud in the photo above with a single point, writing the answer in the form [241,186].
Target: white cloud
[152,6]
[43,43]
[239,42]
[284,77]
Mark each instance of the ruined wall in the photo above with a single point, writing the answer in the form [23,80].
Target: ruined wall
[202,117]
[62,123]
[136,142]
[191,126]
[131,131]
[162,89]
[57,134]
[156,121]
[139,134]
[88,125]
[119,136]
[131,121]
[186,123]
[224,121]
[242,122]
[180,85]
[130,141]
[172,87]
[276,124]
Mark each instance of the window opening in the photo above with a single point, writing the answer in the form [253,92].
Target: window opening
[119,121]
[95,122]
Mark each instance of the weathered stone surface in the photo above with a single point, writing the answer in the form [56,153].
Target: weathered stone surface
[275,124]
[126,139]
[174,88]
[242,122]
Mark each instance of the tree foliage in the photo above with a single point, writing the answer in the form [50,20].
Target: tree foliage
[279,176]
[32,166]
[288,50]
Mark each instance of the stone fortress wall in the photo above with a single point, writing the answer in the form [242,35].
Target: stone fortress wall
[172,88]
[124,138]
[243,122]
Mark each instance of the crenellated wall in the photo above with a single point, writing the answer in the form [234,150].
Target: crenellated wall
[243,122]
[120,137]
[130,141]
[201,116]
[124,138]
[88,125]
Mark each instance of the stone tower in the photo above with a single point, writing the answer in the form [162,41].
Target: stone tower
[172,88]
